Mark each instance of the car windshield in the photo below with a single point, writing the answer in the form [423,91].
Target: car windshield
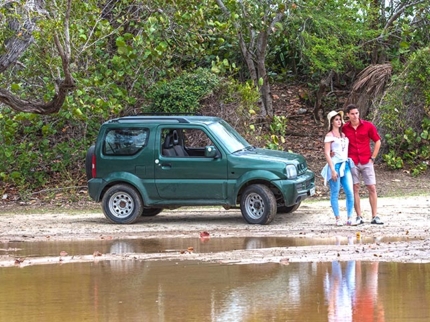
[232,140]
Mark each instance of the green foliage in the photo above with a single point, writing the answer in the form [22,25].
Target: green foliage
[276,138]
[320,36]
[184,93]
[244,96]
[120,51]
[393,162]
[411,148]
[40,149]
[273,139]
[404,116]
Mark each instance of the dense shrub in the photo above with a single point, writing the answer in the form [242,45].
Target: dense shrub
[182,94]
[404,116]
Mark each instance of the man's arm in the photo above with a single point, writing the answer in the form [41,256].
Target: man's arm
[376,149]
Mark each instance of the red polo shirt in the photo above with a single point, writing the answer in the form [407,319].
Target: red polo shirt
[359,140]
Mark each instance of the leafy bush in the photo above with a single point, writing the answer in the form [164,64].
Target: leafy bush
[44,150]
[278,127]
[184,93]
[404,116]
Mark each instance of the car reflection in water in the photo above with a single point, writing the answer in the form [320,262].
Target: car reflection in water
[350,292]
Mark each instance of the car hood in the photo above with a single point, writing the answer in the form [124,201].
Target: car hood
[272,155]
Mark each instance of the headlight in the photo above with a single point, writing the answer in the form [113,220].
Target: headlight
[291,171]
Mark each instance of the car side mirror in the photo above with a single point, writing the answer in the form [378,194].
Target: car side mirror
[211,152]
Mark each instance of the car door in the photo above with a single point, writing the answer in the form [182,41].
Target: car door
[182,172]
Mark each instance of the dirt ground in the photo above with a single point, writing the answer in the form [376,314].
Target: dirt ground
[403,238]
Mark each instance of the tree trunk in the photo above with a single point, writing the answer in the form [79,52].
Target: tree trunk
[17,45]
[262,74]
[254,52]
[323,85]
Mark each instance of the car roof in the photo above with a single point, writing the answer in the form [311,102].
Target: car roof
[165,119]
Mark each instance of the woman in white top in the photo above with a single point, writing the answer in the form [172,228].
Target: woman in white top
[337,171]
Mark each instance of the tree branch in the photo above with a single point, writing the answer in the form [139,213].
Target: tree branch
[397,14]
[17,46]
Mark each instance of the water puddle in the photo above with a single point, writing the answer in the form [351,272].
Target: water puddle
[157,245]
[195,291]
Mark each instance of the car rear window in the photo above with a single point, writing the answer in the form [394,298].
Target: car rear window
[125,141]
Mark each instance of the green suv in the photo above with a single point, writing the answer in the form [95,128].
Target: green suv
[141,165]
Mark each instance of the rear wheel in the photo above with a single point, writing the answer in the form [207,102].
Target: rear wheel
[122,204]
[287,210]
[258,204]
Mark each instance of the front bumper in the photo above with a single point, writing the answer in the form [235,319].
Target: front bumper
[294,191]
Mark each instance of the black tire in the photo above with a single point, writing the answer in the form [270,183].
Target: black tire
[88,162]
[150,212]
[258,204]
[122,204]
[287,210]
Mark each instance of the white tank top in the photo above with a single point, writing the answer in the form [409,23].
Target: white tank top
[339,146]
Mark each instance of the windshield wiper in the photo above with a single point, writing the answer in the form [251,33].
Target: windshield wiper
[247,148]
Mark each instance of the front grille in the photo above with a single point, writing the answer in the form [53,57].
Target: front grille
[305,185]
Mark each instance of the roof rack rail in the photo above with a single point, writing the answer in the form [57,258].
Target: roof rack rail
[166,114]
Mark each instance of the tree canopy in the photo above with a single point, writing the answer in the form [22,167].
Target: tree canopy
[65,66]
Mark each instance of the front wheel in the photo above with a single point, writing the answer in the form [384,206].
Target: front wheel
[258,204]
[122,204]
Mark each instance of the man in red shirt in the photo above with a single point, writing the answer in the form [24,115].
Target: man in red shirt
[360,133]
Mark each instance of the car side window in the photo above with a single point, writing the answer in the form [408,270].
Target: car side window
[184,142]
[196,139]
[125,141]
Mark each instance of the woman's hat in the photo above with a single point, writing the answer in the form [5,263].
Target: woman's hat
[332,114]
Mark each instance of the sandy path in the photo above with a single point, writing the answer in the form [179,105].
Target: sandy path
[407,218]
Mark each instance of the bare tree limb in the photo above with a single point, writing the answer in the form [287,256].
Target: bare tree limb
[397,14]
[18,44]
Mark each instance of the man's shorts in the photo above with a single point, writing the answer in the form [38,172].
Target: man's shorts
[366,171]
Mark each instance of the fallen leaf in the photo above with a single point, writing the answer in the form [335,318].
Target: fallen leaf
[18,261]
[97,253]
[63,253]
[285,261]
[204,234]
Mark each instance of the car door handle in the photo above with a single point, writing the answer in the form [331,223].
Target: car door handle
[165,165]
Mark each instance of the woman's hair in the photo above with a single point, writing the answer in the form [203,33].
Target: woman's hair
[331,124]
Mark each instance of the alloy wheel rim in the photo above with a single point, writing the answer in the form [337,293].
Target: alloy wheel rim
[254,205]
[121,204]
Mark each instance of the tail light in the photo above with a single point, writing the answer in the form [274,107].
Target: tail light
[93,166]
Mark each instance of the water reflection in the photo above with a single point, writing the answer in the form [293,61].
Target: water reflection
[192,291]
[351,294]
[162,245]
